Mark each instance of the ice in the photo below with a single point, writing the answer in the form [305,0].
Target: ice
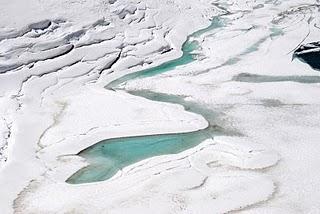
[242,83]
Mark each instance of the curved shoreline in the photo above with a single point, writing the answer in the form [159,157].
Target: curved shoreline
[188,47]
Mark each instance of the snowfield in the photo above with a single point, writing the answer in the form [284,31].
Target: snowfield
[57,57]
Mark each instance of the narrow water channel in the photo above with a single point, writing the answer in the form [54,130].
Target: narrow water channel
[188,56]
[109,156]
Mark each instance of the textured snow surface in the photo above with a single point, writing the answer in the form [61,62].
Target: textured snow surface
[57,56]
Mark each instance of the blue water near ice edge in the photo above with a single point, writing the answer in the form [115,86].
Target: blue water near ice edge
[188,47]
[107,157]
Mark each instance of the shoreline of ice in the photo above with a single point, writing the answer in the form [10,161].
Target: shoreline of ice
[53,105]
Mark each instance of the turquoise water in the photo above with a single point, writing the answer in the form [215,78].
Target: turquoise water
[188,48]
[107,157]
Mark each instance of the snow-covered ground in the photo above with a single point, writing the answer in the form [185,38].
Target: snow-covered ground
[57,56]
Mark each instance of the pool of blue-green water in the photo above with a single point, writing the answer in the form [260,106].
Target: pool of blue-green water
[109,156]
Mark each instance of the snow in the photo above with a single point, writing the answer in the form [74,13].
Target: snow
[56,57]
[280,111]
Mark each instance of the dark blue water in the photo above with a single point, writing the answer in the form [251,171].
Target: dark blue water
[309,54]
